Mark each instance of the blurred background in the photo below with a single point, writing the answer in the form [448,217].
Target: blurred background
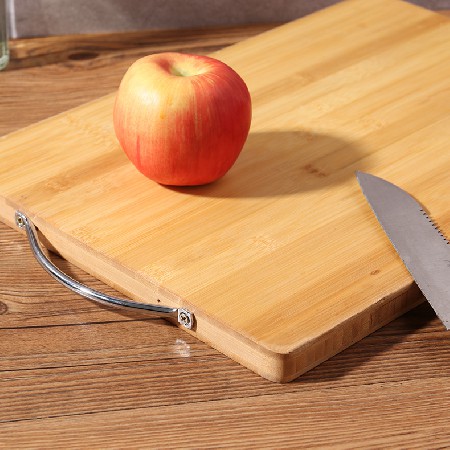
[31,18]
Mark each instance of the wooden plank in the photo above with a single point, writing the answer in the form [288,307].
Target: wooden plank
[41,51]
[264,422]
[254,241]
[145,364]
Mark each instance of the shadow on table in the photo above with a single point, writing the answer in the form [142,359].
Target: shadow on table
[354,361]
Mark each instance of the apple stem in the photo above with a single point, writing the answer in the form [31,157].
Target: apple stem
[179,72]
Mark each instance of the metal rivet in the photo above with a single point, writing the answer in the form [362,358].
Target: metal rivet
[185,319]
[19,221]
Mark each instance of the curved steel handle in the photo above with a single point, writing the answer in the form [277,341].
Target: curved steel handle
[183,316]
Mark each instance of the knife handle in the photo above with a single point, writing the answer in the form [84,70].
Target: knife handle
[182,316]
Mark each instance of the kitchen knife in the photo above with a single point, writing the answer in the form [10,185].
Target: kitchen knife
[419,242]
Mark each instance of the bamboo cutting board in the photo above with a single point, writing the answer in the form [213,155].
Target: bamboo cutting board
[281,261]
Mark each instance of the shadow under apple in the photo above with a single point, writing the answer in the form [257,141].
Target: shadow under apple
[284,163]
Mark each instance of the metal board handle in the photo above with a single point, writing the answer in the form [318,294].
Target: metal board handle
[183,316]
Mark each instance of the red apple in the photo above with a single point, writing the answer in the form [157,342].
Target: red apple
[182,119]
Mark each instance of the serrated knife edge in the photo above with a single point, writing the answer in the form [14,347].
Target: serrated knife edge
[420,243]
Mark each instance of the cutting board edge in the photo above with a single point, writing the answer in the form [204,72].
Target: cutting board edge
[266,363]
[337,339]
[276,363]
[283,365]
[92,262]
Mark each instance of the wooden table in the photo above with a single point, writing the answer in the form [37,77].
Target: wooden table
[74,374]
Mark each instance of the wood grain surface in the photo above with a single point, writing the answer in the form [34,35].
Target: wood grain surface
[76,375]
[281,261]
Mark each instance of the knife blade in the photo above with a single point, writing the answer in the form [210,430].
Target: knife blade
[423,248]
